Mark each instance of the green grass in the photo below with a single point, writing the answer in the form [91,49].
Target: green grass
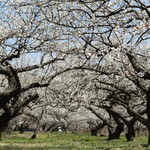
[67,141]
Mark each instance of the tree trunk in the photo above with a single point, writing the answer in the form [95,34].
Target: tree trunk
[120,125]
[4,120]
[148,114]
[21,129]
[93,132]
[98,127]
[34,135]
[131,133]
[148,144]
[116,134]
[119,130]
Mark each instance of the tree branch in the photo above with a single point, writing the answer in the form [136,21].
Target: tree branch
[29,68]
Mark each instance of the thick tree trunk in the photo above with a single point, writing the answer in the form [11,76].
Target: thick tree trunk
[116,134]
[4,120]
[120,125]
[131,132]
[97,128]
[119,130]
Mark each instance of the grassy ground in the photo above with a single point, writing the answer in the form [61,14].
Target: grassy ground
[66,141]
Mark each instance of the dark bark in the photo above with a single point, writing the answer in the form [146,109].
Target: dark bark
[10,94]
[116,134]
[13,83]
[119,128]
[130,135]
[98,115]
[22,128]
[47,128]
[34,135]
[4,120]
[148,114]
[97,128]
[148,105]
[0,136]
[137,66]
[10,113]
[93,132]
[148,144]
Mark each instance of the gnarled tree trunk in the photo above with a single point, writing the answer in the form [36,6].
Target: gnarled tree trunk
[98,127]
[4,120]
[116,134]
[119,128]
[130,135]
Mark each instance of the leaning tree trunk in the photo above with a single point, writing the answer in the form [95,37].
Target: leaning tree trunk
[34,134]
